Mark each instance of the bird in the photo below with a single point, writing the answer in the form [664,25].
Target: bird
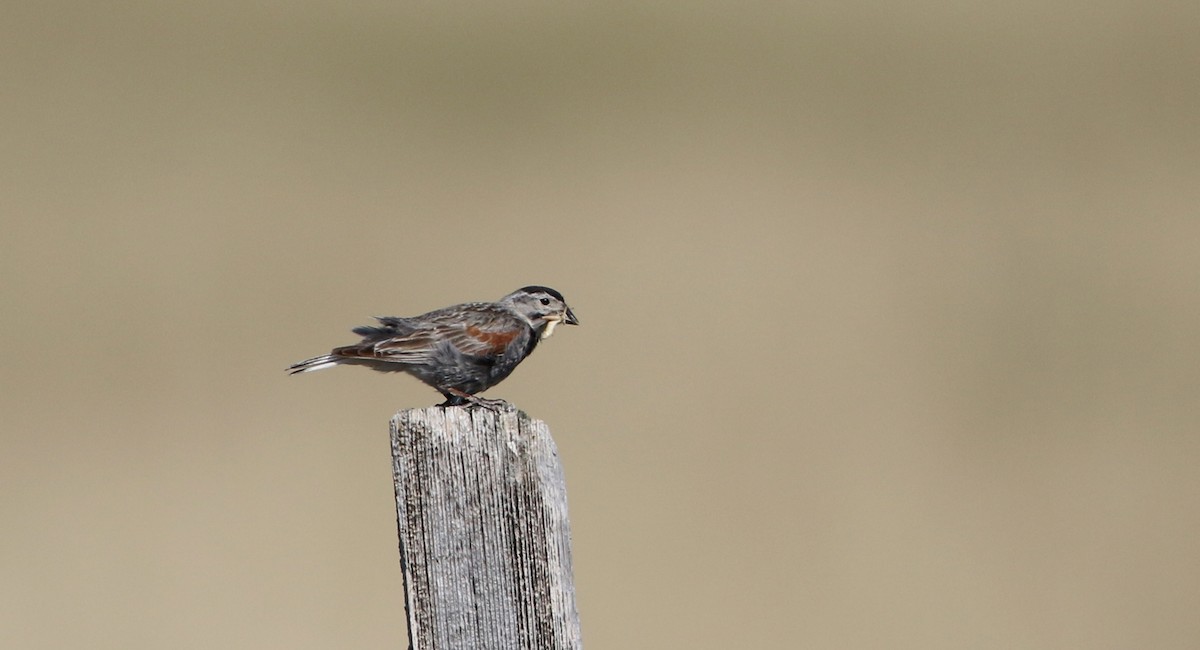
[459,350]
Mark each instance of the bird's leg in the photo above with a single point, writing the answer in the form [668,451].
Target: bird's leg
[456,397]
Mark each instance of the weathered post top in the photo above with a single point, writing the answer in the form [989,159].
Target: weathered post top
[485,544]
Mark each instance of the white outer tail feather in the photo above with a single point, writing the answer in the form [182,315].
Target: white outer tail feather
[316,363]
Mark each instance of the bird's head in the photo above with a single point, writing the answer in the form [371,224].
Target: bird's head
[544,307]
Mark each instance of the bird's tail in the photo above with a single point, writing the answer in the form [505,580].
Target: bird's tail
[315,363]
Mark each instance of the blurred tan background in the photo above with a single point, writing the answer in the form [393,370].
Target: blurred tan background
[889,312]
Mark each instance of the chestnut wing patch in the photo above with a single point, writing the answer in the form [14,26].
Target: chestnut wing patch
[491,342]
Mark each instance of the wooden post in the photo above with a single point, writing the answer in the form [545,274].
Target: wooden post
[485,545]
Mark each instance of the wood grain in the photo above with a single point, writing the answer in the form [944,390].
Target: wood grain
[485,543]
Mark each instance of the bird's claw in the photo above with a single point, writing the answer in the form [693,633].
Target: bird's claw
[460,398]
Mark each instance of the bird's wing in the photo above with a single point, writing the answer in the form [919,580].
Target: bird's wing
[475,330]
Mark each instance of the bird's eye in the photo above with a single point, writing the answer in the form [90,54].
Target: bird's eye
[545,301]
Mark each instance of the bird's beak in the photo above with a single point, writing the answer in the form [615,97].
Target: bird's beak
[570,319]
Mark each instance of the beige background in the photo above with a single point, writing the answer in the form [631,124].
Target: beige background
[890,312]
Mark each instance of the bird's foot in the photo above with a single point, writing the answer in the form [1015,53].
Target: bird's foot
[455,397]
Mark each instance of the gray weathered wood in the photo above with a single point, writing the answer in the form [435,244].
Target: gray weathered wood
[485,544]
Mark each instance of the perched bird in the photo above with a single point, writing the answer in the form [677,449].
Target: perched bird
[459,350]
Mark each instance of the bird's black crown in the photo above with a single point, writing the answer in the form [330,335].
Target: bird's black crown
[538,289]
